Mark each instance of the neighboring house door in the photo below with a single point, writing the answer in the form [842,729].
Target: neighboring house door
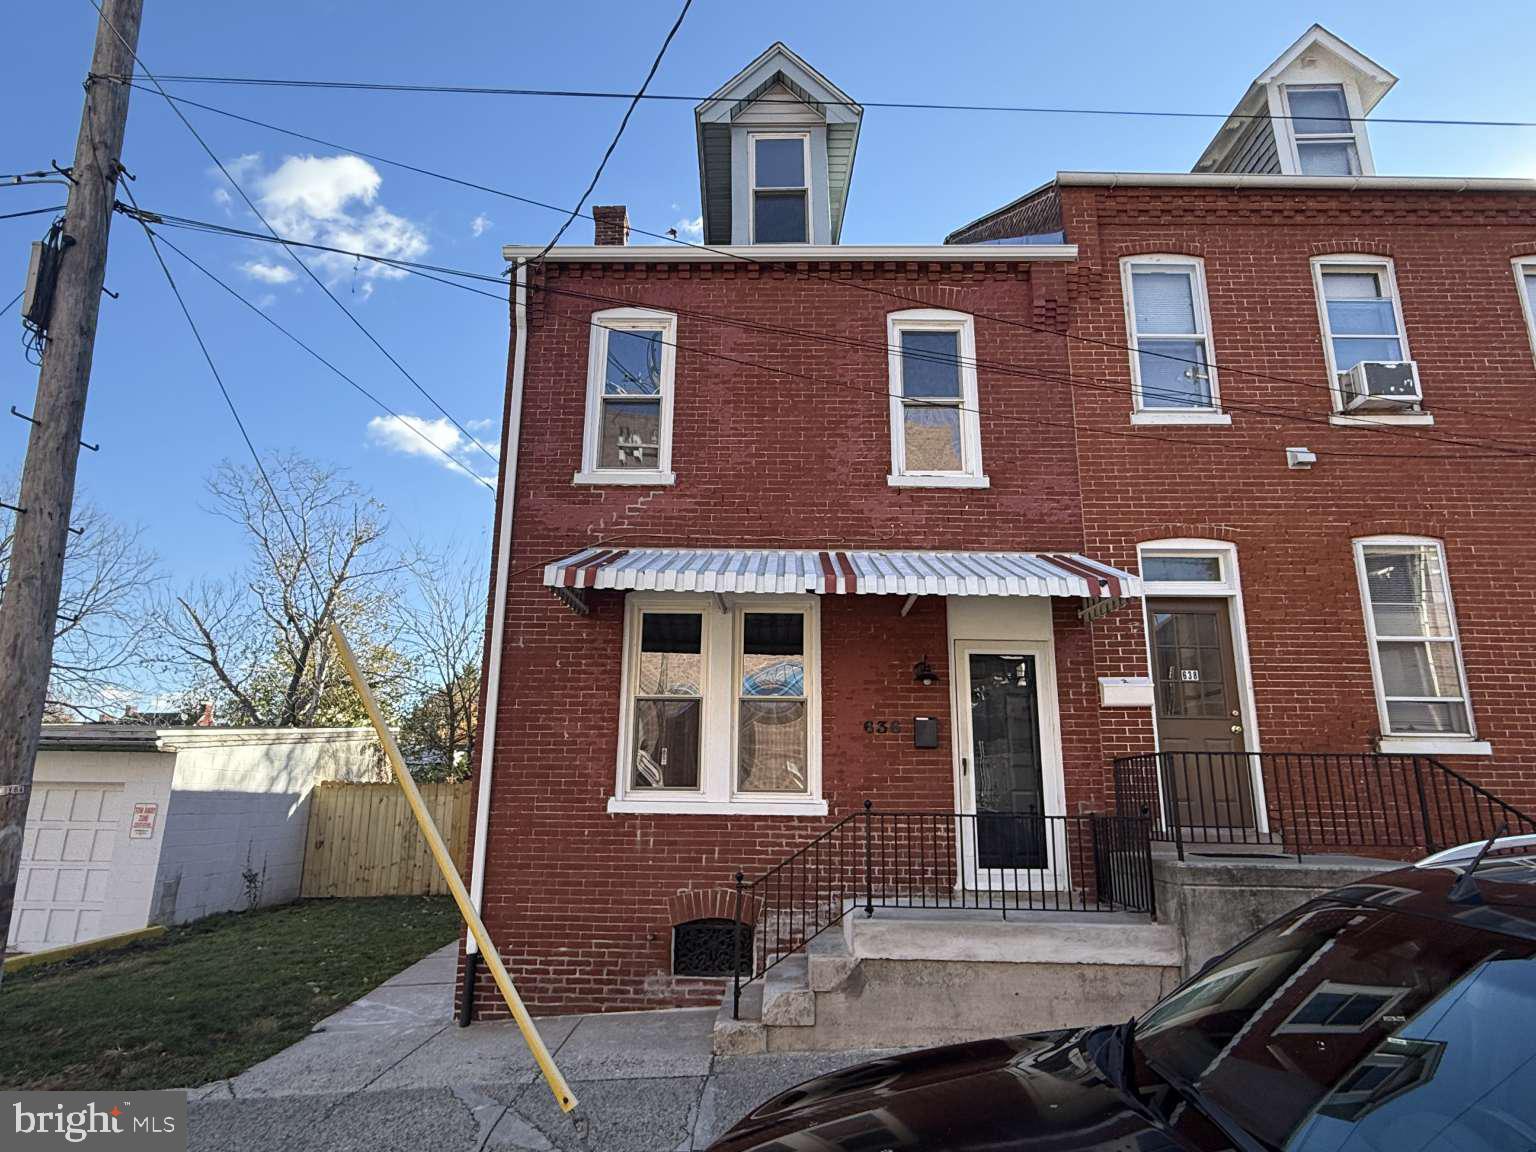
[1198,715]
[66,862]
[1007,783]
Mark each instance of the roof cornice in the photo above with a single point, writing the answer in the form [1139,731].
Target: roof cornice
[1296,183]
[793,253]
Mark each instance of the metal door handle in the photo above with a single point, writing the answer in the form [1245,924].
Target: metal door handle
[1237,727]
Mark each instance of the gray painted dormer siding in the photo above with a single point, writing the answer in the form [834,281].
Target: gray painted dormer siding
[778,92]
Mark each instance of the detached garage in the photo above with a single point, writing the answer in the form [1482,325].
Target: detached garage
[133,825]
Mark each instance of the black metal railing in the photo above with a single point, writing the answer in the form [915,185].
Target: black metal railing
[1309,801]
[1003,862]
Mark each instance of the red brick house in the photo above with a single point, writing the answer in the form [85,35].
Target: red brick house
[1044,533]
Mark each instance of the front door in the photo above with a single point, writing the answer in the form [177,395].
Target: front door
[1197,712]
[1008,782]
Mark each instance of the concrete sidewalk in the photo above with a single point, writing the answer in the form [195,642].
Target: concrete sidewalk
[393,1071]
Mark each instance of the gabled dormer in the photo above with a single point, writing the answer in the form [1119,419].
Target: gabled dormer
[776,147]
[1305,114]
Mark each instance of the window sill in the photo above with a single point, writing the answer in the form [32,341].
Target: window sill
[1174,417]
[655,479]
[897,481]
[1432,746]
[674,806]
[1384,420]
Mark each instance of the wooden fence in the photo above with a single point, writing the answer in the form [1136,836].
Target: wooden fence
[363,840]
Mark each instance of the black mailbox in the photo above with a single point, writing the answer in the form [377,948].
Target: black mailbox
[925,732]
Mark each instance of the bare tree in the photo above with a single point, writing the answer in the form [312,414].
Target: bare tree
[257,642]
[104,624]
[441,628]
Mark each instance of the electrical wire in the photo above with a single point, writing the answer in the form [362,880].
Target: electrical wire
[12,302]
[623,124]
[31,212]
[902,105]
[251,204]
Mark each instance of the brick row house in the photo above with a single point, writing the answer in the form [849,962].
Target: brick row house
[1149,507]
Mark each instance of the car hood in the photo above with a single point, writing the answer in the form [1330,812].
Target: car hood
[1022,1092]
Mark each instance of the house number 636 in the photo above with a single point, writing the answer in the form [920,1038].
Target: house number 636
[881,727]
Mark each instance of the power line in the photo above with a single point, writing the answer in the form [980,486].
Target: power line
[623,124]
[900,105]
[32,212]
[743,258]
[1501,448]
[12,302]
[251,204]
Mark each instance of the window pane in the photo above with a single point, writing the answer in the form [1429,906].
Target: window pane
[671,655]
[1410,716]
[770,754]
[773,654]
[629,434]
[930,364]
[1352,286]
[1351,350]
[1318,110]
[1408,590]
[666,744]
[780,218]
[780,163]
[932,439]
[1163,301]
[1168,380]
[1181,568]
[1328,158]
[1419,668]
[1362,318]
[634,363]
[1530,289]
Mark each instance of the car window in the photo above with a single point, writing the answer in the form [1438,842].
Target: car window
[1360,1028]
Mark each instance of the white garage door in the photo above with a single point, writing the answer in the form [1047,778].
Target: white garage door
[66,859]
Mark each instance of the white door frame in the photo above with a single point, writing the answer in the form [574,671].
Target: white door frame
[1053,782]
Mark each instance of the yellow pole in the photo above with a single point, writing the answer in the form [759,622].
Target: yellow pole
[546,1062]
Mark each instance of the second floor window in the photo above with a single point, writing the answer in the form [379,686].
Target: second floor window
[628,437]
[1171,369]
[1362,317]
[1324,134]
[781,193]
[1525,278]
[935,425]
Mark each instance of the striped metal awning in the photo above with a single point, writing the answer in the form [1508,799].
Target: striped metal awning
[842,572]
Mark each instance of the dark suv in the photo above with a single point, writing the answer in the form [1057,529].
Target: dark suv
[1393,1015]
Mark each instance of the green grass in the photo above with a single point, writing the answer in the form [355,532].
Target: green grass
[209,999]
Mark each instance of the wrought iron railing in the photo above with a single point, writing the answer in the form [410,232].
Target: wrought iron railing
[1003,862]
[1309,801]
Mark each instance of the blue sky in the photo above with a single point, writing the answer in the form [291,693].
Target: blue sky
[919,174]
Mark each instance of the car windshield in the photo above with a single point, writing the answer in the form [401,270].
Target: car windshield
[1356,1027]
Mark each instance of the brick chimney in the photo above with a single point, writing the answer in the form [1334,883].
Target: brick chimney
[610,224]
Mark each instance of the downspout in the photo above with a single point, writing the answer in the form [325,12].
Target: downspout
[498,625]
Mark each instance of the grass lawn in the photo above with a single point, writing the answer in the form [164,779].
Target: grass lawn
[209,999]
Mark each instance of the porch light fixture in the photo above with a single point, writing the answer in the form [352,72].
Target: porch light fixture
[923,673]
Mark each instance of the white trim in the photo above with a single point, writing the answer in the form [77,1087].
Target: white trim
[804,136]
[684,253]
[1432,746]
[1524,266]
[1196,268]
[493,651]
[1298,183]
[1347,262]
[600,324]
[1192,417]
[669,805]
[1359,545]
[1229,588]
[971,474]
[1383,420]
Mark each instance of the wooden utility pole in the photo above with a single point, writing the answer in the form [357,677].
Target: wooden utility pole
[29,610]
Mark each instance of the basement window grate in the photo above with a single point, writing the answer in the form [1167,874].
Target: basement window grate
[704,948]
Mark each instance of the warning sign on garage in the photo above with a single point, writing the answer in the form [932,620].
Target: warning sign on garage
[143,825]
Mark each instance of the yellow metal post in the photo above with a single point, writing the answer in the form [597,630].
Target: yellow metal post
[563,1095]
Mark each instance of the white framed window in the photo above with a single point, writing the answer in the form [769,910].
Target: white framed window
[1340,1009]
[630,365]
[720,709]
[935,413]
[779,177]
[1173,378]
[1410,624]
[1525,281]
[1361,315]
[1323,130]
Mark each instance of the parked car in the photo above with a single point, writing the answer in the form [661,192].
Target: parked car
[1394,1014]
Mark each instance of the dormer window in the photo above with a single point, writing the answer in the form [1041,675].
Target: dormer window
[1324,132]
[780,176]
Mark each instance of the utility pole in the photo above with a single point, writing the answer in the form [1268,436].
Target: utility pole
[29,610]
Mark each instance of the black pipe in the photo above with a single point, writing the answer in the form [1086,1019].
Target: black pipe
[467,992]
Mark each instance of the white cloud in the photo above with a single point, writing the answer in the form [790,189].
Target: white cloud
[329,200]
[420,436]
[690,229]
[480,223]
[268,273]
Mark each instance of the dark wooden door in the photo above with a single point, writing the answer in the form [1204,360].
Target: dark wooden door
[1198,718]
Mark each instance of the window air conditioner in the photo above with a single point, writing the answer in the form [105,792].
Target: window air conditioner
[1380,384]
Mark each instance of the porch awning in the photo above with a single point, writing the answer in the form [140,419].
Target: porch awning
[842,572]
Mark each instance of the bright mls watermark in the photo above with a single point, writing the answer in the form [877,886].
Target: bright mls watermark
[121,1121]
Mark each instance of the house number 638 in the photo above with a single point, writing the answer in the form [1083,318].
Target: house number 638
[882,726]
